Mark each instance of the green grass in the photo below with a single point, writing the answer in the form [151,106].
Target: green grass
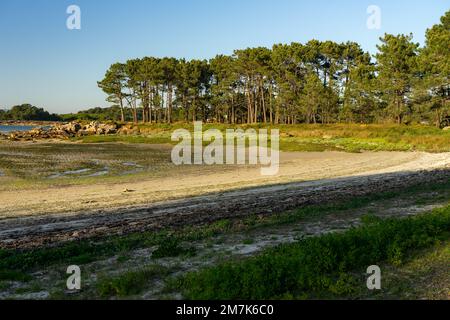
[171,247]
[334,137]
[309,267]
[425,275]
[152,139]
[11,275]
[129,283]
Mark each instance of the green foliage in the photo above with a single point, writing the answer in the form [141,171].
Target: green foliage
[14,276]
[397,64]
[95,114]
[129,283]
[27,112]
[433,92]
[316,82]
[171,247]
[333,137]
[318,264]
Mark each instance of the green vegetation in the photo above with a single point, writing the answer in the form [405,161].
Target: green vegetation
[129,283]
[334,137]
[148,139]
[94,114]
[316,82]
[27,112]
[171,247]
[321,264]
[424,275]
[14,276]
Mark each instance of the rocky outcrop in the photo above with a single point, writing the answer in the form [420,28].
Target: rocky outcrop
[129,129]
[64,131]
[96,128]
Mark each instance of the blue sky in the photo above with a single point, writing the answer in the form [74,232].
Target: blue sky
[44,63]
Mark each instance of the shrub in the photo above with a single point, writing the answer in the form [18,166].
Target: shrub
[317,264]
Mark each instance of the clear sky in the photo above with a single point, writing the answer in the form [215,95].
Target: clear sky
[45,64]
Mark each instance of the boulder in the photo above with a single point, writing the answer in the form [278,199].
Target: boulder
[128,129]
[65,131]
[71,127]
[109,129]
[100,128]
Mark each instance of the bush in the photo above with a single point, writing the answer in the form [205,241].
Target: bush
[317,264]
[129,283]
[171,247]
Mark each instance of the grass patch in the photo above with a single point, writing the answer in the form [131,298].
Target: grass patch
[171,247]
[425,275]
[9,275]
[318,264]
[129,283]
[302,137]
[151,139]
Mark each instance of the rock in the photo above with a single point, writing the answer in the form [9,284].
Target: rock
[110,129]
[92,127]
[71,127]
[36,131]
[100,128]
[82,133]
[446,128]
[64,131]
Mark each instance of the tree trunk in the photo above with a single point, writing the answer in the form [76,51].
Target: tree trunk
[270,104]
[233,120]
[194,107]
[255,119]
[185,107]
[249,105]
[122,114]
[169,104]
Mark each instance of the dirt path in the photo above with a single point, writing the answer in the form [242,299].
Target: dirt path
[304,178]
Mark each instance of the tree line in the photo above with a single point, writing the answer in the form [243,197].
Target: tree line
[316,82]
[27,112]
